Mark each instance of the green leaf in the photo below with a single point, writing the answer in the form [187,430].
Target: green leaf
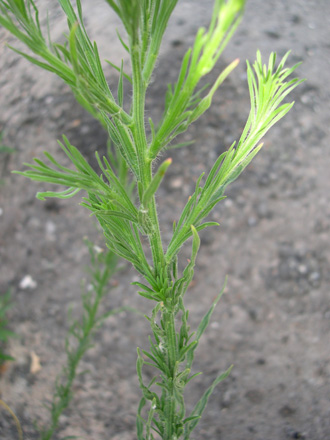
[203,326]
[179,145]
[67,76]
[196,244]
[119,70]
[156,181]
[197,412]
[189,419]
[66,194]
[105,214]
[205,103]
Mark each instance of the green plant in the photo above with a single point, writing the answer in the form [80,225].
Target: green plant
[5,333]
[128,216]
[102,267]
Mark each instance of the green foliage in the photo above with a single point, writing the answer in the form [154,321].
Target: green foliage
[127,217]
[77,61]
[79,339]
[5,333]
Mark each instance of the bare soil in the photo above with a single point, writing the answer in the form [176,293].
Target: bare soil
[273,323]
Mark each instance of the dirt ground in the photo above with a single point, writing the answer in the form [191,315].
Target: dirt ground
[273,323]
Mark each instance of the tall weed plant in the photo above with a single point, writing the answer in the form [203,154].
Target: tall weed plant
[121,194]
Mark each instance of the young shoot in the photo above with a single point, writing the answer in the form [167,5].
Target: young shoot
[127,221]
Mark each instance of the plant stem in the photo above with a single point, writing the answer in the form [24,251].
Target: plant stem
[171,348]
[144,162]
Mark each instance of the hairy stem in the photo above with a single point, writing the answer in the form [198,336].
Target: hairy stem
[144,162]
[171,348]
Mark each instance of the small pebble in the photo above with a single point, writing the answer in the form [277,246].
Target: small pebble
[27,283]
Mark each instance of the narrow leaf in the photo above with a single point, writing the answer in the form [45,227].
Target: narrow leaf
[201,405]
[156,181]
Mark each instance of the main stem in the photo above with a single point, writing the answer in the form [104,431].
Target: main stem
[144,162]
[171,349]
[145,172]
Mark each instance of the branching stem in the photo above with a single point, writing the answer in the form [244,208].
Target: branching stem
[125,221]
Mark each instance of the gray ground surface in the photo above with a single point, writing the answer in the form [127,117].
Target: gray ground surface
[273,323]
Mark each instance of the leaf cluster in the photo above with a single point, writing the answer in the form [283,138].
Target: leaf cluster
[171,353]
[183,102]
[122,221]
[76,62]
[268,88]
[145,22]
